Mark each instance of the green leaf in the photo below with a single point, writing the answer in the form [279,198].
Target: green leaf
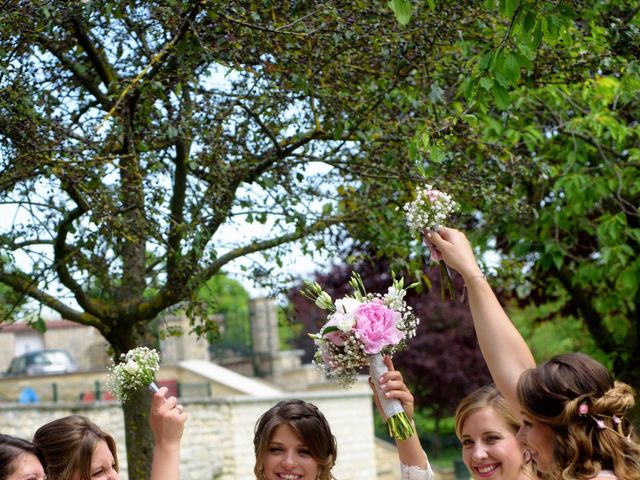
[524,61]
[537,36]
[436,94]
[508,7]
[486,83]
[628,281]
[485,61]
[402,10]
[509,66]
[528,22]
[471,120]
[501,95]
[437,155]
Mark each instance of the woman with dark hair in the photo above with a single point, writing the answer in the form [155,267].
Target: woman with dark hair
[575,415]
[293,439]
[75,448]
[20,460]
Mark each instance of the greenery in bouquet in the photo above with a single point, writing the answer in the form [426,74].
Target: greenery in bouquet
[137,369]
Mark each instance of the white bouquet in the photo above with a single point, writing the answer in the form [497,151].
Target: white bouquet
[137,369]
[430,209]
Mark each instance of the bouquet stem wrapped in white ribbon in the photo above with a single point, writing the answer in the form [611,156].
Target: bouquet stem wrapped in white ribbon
[398,422]
[361,328]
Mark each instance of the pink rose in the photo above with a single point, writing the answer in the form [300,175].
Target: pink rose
[376,327]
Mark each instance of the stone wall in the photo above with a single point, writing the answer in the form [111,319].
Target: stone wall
[217,442]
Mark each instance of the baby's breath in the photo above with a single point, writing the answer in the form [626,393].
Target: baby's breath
[429,210]
[137,369]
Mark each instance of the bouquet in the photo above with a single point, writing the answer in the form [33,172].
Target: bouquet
[137,369]
[429,211]
[361,328]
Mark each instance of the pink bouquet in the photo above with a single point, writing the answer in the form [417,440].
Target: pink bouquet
[361,328]
[430,209]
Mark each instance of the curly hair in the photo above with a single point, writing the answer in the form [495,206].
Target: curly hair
[310,425]
[578,398]
[68,444]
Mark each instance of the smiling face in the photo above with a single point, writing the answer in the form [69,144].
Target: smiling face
[287,458]
[27,467]
[490,449]
[103,464]
[539,439]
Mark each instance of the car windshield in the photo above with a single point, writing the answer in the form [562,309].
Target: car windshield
[48,358]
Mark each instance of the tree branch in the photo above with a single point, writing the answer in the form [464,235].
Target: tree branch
[176,220]
[49,45]
[262,125]
[581,305]
[61,256]
[154,66]
[99,62]
[259,246]
[27,287]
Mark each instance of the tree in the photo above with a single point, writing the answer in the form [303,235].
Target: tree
[127,157]
[540,144]
[551,167]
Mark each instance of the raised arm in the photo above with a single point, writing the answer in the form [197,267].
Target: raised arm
[505,351]
[167,423]
[415,464]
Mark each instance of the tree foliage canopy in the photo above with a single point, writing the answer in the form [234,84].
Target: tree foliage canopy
[135,135]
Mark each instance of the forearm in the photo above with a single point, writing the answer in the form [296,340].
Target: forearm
[411,453]
[505,351]
[166,462]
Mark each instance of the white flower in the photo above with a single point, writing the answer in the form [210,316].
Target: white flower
[344,321]
[347,305]
[131,367]
[395,295]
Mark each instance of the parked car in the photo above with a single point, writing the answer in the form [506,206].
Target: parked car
[42,362]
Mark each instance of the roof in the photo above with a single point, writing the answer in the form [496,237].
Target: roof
[228,377]
[51,325]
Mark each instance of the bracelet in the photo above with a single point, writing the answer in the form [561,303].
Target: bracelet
[477,275]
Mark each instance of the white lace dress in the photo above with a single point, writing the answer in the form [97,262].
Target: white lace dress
[415,473]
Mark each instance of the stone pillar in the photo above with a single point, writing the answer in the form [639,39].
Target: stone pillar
[186,346]
[264,335]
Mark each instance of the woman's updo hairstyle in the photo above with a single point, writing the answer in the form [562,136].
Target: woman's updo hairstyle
[577,397]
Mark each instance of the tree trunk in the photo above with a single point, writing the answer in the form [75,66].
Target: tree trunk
[138,435]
